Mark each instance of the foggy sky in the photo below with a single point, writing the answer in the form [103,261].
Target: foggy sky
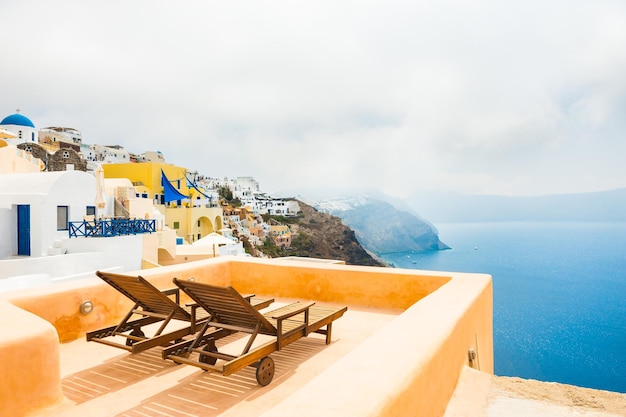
[482,97]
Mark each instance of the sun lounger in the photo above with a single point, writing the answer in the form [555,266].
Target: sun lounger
[151,306]
[231,313]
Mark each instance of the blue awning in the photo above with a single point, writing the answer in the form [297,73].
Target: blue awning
[169,191]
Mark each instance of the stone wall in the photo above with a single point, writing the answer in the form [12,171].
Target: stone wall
[57,161]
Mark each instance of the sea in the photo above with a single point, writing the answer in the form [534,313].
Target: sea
[559,295]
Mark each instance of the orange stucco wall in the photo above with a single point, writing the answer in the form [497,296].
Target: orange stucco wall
[29,362]
[412,365]
[418,356]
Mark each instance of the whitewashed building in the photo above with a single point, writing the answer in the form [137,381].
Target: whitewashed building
[60,134]
[262,203]
[107,154]
[35,211]
[39,207]
[281,207]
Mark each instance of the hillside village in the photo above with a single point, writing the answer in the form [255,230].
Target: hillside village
[95,190]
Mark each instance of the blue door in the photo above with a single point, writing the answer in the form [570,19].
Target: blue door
[23,230]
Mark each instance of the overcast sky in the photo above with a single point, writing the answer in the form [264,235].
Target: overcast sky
[481,97]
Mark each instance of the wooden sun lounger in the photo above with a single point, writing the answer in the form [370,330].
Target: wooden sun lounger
[230,313]
[152,306]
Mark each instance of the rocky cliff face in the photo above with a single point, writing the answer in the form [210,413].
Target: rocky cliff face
[322,235]
[382,228]
[356,230]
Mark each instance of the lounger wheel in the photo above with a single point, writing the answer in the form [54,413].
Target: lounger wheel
[210,347]
[135,332]
[265,371]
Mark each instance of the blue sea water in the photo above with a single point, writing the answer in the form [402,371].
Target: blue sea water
[559,295]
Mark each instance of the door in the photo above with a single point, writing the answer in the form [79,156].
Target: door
[23,230]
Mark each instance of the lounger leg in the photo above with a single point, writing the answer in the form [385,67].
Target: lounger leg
[329,330]
[210,347]
[135,336]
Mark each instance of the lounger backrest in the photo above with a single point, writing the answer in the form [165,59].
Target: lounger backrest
[145,294]
[226,305]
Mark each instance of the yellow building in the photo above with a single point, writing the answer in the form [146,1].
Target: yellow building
[192,223]
[163,183]
[281,235]
[147,176]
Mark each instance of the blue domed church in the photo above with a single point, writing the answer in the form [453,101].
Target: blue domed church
[21,126]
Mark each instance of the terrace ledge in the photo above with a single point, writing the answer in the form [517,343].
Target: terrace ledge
[409,367]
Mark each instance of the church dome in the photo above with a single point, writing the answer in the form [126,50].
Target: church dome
[17,119]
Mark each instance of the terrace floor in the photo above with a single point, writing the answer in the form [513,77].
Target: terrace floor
[99,380]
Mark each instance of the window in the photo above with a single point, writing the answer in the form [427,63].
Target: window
[198,223]
[62,212]
[66,154]
[90,211]
[176,225]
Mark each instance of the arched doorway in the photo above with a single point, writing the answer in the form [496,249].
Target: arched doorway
[203,227]
[219,223]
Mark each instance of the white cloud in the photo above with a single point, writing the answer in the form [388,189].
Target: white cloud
[473,96]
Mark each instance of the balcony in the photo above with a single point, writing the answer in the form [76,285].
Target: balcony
[111,227]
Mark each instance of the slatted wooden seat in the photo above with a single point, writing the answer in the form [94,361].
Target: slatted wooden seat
[152,305]
[230,313]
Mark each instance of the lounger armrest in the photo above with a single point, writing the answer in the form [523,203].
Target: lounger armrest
[248,297]
[291,313]
[194,306]
[173,291]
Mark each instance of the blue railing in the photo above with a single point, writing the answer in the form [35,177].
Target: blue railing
[111,227]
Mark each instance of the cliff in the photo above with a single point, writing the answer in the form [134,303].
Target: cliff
[321,235]
[382,228]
